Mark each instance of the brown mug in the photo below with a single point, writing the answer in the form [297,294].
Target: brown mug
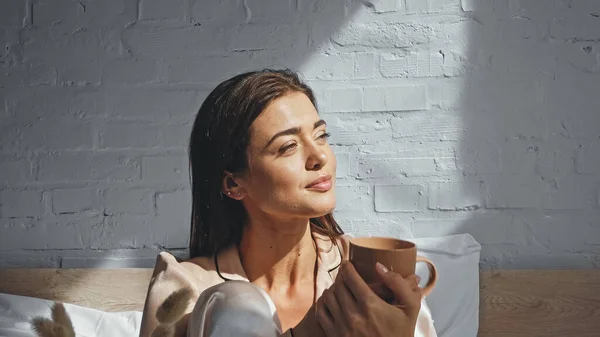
[396,255]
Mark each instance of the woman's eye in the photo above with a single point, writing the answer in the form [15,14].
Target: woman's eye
[325,135]
[287,147]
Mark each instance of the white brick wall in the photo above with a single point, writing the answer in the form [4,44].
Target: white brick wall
[447,116]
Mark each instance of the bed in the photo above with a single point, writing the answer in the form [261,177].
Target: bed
[493,303]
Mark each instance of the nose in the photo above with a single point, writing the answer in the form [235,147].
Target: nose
[317,158]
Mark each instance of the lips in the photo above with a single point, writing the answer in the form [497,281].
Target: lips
[324,183]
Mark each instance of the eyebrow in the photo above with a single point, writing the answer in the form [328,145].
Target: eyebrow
[293,131]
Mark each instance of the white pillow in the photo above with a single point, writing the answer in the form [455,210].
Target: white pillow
[454,302]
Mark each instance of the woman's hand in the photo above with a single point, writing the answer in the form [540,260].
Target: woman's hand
[351,308]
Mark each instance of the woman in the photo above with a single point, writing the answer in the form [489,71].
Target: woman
[263,192]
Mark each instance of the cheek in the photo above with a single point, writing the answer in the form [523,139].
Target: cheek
[273,179]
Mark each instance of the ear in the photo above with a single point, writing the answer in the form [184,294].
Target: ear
[231,188]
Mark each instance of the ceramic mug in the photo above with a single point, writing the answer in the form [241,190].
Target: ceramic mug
[397,255]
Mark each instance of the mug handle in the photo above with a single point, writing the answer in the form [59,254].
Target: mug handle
[432,275]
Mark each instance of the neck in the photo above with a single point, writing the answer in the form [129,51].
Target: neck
[278,256]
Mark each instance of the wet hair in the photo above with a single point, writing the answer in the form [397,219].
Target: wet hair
[218,143]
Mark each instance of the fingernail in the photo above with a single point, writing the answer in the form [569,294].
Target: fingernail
[381,268]
[418,279]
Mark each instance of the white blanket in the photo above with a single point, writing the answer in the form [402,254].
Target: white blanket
[17,311]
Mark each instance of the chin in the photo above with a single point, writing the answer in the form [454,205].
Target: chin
[323,206]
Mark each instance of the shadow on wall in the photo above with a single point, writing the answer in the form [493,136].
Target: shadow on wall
[98,95]
[530,106]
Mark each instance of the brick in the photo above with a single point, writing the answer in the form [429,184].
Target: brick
[556,156]
[518,156]
[513,191]
[64,167]
[549,230]
[172,203]
[272,37]
[400,198]
[412,63]
[321,9]
[576,23]
[587,159]
[273,11]
[129,201]
[344,165]
[372,130]
[455,196]
[120,232]
[171,231]
[417,6]
[63,232]
[455,63]
[87,166]
[487,227]
[394,167]
[430,126]
[108,14]
[479,158]
[29,75]
[156,42]
[127,134]
[21,204]
[28,262]
[342,100]
[107,263]
[212,69]
[161,169]
[49,134]
[62,13]
[13,13]
[365,65]
[469,5]
[395,98]
[353,197]
[15,170]
[161,10]
[329,67]
[446,95]
[76,200]
[224,12]
[171,226]
[154,103]
[569,192]
[42,103]
[444,6]
[114,167]
[129,71]
[432,6]
[176,135]
[84,73]
[549,260]
[384,35]
[454,32]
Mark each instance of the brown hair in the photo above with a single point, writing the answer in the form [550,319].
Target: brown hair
[218,143]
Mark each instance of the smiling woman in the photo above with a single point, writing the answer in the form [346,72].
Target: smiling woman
[263,193]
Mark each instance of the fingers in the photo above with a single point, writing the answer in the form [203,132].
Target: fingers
[323,316]
[333,306]
[355,283]
[406,291]
[382,292]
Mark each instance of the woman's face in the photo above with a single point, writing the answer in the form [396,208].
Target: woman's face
[291,170]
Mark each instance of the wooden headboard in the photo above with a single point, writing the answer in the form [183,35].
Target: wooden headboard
[512,303]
